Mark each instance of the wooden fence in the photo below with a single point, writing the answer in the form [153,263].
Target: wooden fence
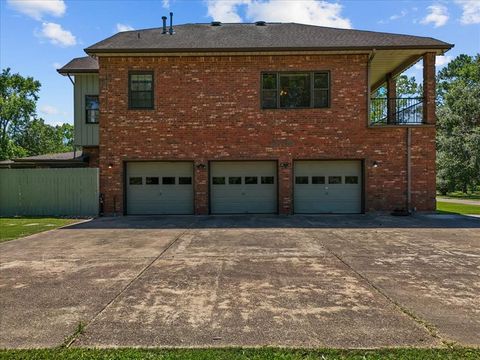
[49,192]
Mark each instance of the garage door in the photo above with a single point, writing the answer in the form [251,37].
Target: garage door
[327,187]
[238,187]
[159,188]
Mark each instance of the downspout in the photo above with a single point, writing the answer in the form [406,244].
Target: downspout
[409,169]
[369,85]
[369,95]
[70,78]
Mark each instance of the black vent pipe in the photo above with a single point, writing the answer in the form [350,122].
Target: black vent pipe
[164,19]
[171,24]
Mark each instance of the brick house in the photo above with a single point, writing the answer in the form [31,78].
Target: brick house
[256,118]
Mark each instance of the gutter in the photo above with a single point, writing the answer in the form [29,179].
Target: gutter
[92,50]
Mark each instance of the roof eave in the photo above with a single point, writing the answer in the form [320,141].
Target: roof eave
[94,51]
[76,71]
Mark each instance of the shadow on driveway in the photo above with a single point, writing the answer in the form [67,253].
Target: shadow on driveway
[368,221]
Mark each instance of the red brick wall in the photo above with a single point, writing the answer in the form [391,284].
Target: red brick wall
[208,108]
[93,153]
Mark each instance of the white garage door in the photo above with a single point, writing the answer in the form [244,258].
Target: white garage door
[327,187]
[239,187]
[159,188]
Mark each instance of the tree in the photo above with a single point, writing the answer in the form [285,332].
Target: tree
[40,138]
[458,125]
[18,97]
[406,87]
[464,69]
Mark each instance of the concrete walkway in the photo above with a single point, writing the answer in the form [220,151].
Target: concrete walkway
[319,281]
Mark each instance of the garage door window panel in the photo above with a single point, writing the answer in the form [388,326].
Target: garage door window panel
[351,180]
[154,180]
[135,180]
[183,180]
[251,180]
[168,180]
[267,180]
[301,180]
[318,180]
[234,180]
[218,180]
[334,179]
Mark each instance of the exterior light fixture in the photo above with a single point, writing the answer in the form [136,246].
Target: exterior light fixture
[201,166]
[375,164]
[284,165]
[110,165]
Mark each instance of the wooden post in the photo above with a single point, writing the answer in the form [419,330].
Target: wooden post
[391,99]
[429,88]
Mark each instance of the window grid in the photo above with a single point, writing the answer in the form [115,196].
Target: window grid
[141,90]
[319,90]
[91,109]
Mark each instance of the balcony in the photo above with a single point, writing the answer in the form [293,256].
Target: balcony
[396,111]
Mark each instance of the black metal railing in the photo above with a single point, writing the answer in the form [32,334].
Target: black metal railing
[396,111]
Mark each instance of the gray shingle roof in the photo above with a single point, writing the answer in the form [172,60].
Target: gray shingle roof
[66,156]
[250,37]
[85,64]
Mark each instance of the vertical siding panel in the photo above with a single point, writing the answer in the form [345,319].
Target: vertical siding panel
[85,134]
[35,192]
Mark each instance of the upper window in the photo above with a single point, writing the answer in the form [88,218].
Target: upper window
[91,109]
[295,90]
[141,90]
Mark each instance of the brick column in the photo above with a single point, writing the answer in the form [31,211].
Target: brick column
[391,101]
[429,88]
[201,187]
[285,183]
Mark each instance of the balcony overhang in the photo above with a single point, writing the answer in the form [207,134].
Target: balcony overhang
[394,62]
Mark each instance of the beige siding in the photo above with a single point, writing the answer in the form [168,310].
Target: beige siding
[43,192]
[85,134]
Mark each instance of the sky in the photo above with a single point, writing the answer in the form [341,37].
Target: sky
[39,36]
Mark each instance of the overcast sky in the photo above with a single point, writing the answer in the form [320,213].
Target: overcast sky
[38,36]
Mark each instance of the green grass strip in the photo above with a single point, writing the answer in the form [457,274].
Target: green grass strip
[454,208]
[14,228]
[242,354]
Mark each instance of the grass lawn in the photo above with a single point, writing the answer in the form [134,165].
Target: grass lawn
[454,208]
[242,354]
[13,228]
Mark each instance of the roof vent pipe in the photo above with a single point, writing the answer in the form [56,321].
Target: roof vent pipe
[164,19]
[216,23]
[170,31]
[260,23]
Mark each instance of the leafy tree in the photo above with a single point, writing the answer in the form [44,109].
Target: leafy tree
[464,69]
[458,124]
[18,97]
[40,138]
[406,87]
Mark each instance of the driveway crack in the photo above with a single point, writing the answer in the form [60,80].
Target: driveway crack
[430,328]
[74,337]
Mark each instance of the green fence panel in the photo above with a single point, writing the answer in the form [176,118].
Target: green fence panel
[49,192]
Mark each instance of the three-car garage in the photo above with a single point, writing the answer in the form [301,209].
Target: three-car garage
[244,187]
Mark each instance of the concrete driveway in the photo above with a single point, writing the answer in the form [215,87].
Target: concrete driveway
[320,281]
